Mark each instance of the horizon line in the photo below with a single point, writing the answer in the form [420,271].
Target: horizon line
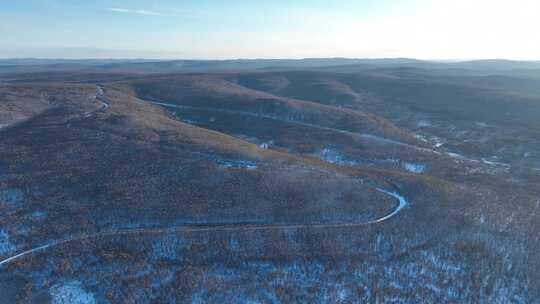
[268,58]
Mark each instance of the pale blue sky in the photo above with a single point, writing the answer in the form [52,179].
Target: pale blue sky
[270,29]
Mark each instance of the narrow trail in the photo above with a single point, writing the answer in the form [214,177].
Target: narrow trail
[364,136]
[368,137]
[402,203]
[100,96]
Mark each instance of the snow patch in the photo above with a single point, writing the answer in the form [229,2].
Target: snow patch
[421,137]
[6,246]
[424,124]
[335,157]
[494,163]
[438,142]
[456,155]
[342,294]
[481,124]
[238,164]
[266,145]
[39,215]
[71,293]
[11,196]
[169,105]
[168,247]
[99,90]
[189,121]
[233,244]
[414,168]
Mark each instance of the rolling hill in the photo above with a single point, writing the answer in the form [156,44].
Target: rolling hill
[268,181]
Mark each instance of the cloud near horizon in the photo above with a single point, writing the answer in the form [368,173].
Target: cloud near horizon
[132,11]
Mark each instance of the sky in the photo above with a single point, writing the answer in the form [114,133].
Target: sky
[212,29]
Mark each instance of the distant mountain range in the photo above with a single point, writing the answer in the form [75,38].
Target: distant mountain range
[342,65]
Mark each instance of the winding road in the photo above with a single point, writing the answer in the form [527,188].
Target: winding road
[273,117]
[402,203]
[100,95]
[368,137]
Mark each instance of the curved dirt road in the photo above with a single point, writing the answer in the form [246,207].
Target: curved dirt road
[402,203]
